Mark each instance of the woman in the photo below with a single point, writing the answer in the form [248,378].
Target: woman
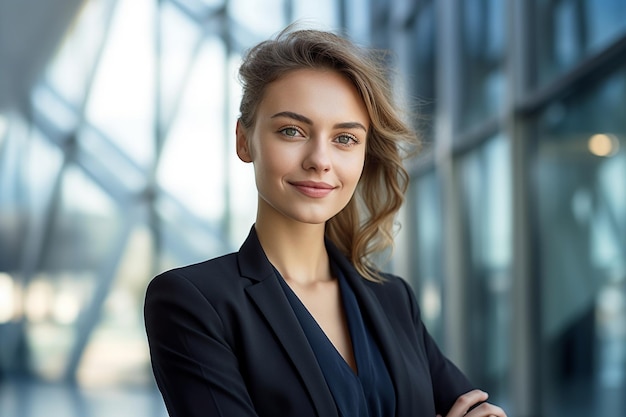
[299,322]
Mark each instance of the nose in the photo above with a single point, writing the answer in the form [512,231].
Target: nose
[317,156]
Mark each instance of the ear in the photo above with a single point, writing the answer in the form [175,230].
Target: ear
[243,149]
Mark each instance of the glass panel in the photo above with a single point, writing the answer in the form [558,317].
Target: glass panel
[421,56]
[4,128]
[29,166]
[117,353]
[81,237]
[109,163]
[581,190]
[567,31]
[192,166]
[324,12]
[186,239]
[122,98]
[358,18]
[179,41]
[428,262]
[484,177]
[53,111]
[483,40]
[70,72]
[262,18]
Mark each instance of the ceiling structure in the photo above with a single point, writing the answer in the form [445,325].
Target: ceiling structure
[30,32]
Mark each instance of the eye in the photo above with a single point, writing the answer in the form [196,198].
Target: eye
[290,131]
[346,140]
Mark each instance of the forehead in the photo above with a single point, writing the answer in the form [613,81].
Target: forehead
[323,93]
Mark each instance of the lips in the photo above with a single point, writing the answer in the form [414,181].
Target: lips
[313,189]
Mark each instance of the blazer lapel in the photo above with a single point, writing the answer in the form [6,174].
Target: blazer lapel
[381,329]
[270,298]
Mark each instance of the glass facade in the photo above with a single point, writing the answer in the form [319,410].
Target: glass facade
[485,184]
[568,32]
[483,40]
[427,267]
[117,162]
[581,196]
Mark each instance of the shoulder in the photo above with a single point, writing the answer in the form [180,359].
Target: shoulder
[209,278]
[395,294]
[390,286]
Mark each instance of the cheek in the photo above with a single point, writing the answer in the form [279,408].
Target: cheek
[268,166]
[351,169]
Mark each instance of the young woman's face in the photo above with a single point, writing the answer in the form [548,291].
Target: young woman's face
[307,145]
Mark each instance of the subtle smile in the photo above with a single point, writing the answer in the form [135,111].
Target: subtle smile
[313,189]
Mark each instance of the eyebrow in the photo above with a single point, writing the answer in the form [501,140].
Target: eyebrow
[304,119]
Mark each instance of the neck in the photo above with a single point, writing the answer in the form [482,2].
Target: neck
[296,249]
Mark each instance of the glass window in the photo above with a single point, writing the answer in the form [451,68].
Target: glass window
[81,236]
[358,19]
[29,166]
[192,167]
[568,31]
[581,192]
[121,103]
[185,238]
[428,259]
[485,183]
[263,19]
[69,74]
[421,57]
[322,11]
[180,42]
[117,353]
[483,39]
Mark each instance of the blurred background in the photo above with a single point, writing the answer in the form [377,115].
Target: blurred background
[117,162]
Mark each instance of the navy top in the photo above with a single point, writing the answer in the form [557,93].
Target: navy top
[369,392]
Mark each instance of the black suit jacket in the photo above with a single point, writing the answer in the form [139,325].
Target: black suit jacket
[224,341]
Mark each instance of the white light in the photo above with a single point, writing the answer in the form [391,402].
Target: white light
[431,300]
[66,307]
[4,127]
[37,303]
[603,144]
[7,296]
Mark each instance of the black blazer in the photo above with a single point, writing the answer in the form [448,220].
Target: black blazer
[225,342]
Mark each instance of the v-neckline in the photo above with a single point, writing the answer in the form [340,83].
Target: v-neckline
[295,298]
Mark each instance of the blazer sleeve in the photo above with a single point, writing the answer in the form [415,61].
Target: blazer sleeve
[194,365]
[448,382]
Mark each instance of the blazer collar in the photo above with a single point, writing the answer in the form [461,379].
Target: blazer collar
[268,295]
[381,328]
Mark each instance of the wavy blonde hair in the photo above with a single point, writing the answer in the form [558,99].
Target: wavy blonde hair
[365,226]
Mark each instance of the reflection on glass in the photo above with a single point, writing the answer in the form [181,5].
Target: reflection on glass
[70,71]
[50,106]
[122,99]
[262,18]
[483,38]
[179,42]
[192,167]
[4,127]
[567,31]
[29,166]
[428,266]
[117,354]
[484,175]
[186,238]
[80,239]
[8,298]
[323,12]
[581,189]
[421,56]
